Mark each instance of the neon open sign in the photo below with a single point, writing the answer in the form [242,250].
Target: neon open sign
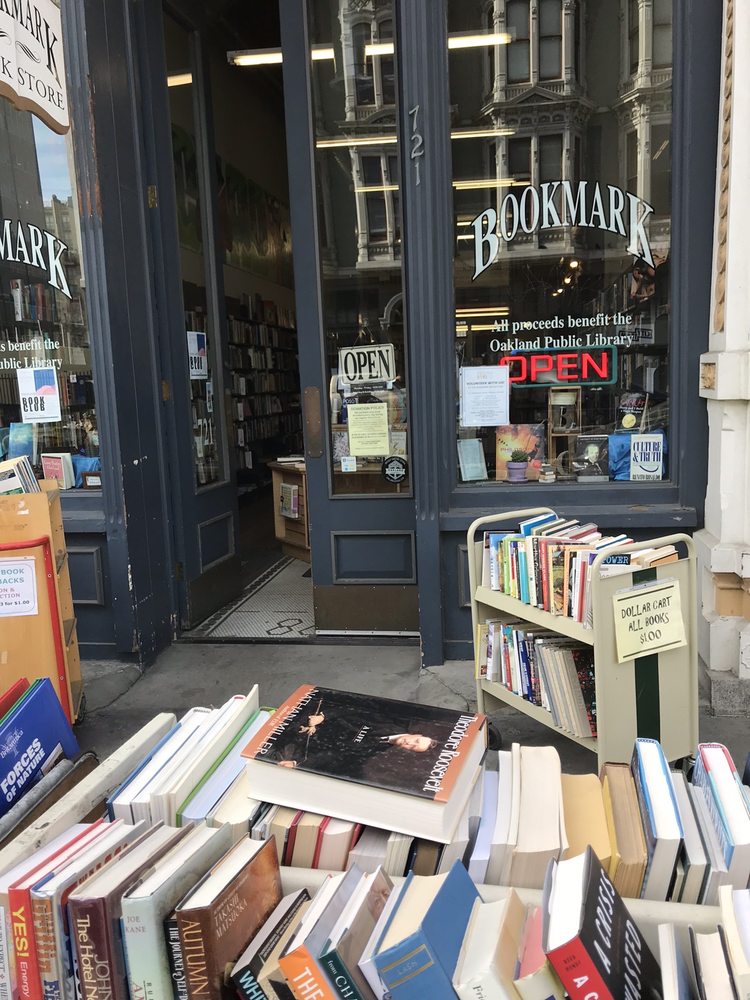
[594,367]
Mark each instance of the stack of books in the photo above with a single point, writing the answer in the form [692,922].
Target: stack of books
[547,563]
[17,476]
[541,667]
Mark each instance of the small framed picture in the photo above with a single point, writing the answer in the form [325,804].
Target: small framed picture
[91,480]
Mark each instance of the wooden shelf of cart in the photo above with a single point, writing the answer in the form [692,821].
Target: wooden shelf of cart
[44,644]
[292,532]
[616,694]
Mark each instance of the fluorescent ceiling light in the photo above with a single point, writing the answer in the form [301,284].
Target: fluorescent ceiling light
[255,57]
[478,41]
[467,237]
[179,79]
[364,140]
[481,133]
[380,140]
[488,182]
[482,311]
[476,328]
[375,188]
[273,57]
[379,49]
[454,42]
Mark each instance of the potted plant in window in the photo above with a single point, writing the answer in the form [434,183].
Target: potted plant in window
[517,465]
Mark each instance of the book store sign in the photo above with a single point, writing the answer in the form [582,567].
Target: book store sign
[558,204]
[648,620]
[368,364]
[32,69]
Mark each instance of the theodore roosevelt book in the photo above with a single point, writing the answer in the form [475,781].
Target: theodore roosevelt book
[371,760]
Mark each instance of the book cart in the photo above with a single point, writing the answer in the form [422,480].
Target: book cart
[627,694]
[44,643]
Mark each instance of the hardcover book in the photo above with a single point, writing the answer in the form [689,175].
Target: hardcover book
[217,919]
[590,939]
[34,735]
[350,755]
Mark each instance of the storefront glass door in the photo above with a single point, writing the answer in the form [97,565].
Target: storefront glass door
[188,287]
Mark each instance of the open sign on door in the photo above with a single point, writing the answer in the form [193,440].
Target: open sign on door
[367,364]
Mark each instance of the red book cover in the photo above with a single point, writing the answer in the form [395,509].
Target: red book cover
[291,837]
[319,842]
[12,695]
[22,917]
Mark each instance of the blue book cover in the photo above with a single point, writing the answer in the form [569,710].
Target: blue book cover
[34,736]
[537,521]
[21,441]
[422,965]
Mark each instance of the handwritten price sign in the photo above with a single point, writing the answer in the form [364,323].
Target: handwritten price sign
[648,620]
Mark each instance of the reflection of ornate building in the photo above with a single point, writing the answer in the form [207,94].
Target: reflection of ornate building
[370,98]
[644,109]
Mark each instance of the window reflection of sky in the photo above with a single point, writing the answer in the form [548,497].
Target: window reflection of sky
[52,158]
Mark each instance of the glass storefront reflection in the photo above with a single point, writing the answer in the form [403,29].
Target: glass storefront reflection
[562,212]
[355,116]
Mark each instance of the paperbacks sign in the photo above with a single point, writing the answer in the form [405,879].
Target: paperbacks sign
[32,69]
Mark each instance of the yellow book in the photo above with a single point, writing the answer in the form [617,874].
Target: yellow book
[629,855]
[616,858]
[585,819]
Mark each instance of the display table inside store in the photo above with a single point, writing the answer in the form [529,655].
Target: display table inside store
[292,531]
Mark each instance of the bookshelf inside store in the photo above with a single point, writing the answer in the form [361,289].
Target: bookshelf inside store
[266,412]
[655,695]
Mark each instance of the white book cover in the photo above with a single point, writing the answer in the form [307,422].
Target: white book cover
[146,905]
[734,905]
[480,856]
[366,963]
[717,868]
[236,807]
[223,777]
[501,844]
[239,712]
[137,783]
[485,967]
[693,855]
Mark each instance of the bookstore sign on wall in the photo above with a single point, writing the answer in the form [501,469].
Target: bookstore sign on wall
[32,71]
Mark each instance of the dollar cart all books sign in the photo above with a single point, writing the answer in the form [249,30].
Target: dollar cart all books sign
[648,619]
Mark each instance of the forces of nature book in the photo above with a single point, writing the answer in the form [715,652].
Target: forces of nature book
[370,760]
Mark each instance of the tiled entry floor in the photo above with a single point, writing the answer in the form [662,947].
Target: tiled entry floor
[277,606]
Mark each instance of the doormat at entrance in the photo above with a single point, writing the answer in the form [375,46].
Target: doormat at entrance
[277,606]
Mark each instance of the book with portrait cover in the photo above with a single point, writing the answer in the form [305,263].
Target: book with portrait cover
[356,756]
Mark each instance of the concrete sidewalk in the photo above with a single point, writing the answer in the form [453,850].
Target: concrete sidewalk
[120,700]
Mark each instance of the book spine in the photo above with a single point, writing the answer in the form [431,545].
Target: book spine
[577,972]
[196,955]
[24,944]
[89,924]
[46,947]
[339,976]
[248,987]
[7,965]
[145,958]
[176,961]
[304,976]
[412,972]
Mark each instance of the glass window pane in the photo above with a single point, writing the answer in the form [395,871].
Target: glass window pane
[662,54]
[361,37]
[518,18]
[550,17]
[202,364]
[47,400]
[550,158]
[553,282]
[357,168]
[550,65]
[518,62]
